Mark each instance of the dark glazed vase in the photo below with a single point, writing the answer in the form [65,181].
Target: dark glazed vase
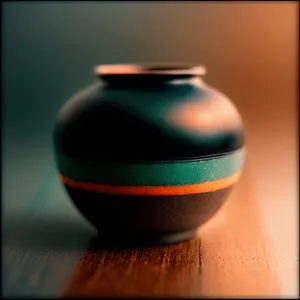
[147,154]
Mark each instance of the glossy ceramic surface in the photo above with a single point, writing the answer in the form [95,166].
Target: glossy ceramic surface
[149,150]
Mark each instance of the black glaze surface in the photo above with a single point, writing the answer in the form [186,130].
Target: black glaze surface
[107,131]
[130,217]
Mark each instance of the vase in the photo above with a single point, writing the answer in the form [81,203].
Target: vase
[148,154]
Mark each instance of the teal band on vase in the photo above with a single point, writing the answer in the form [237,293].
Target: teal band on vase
[151,174]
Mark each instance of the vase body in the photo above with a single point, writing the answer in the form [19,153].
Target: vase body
[148,157]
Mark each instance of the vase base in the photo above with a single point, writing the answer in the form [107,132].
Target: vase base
[145,239]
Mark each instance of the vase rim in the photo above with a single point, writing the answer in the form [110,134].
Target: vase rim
[149,69]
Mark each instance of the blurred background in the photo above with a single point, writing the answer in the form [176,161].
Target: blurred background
[49,50]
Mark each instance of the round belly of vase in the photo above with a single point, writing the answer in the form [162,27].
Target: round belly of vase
[150,203]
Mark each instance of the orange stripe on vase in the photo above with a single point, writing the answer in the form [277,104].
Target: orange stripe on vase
[205,187]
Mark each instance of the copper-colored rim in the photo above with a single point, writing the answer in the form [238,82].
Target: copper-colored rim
[128,69]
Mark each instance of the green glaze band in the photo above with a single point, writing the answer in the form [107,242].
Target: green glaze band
[151,174]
